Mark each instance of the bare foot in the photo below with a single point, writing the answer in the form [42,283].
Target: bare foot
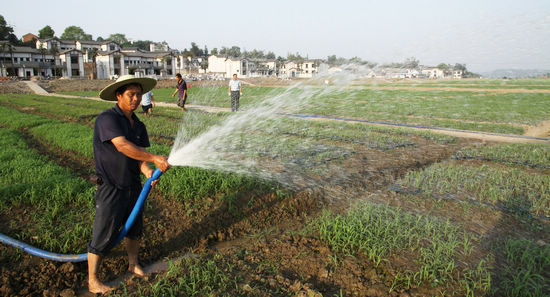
[136,269]
[97,287]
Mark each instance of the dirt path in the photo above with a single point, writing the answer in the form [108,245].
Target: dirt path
[542,130]
[500,91]
[415,88]
[536,134]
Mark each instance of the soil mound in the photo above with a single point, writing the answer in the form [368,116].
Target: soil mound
[14,87]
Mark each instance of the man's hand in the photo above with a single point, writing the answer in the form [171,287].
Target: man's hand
[161,162]
[148,172]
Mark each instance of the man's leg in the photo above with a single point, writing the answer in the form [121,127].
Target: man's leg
[94,285]
[132,247]
[233,99]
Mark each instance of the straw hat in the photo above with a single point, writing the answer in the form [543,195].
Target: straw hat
[108,93]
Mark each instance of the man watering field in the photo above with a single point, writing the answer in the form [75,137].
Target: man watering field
[120,139]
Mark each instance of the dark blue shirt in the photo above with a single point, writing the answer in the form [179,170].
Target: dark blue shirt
[113,167]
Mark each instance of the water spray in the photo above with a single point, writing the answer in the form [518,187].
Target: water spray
[84,257]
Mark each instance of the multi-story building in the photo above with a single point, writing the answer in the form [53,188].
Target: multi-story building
[433,73]
[226,67]
[26,62]
[302,69]
[135,61]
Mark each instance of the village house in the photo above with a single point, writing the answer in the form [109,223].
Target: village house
[190,65]
[226,67]
[26,62]
[432,73]
[458,74]
[29,37]
[243,67]
[262,68]
[111,64]
[303,69]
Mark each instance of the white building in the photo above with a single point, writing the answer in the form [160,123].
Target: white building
[90,47]
[433,73]
[190,64]
[27,62]
[304,69]
[119,62]
[458,74]
[72,63]
[226,67]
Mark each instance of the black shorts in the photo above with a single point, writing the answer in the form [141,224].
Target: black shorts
[113,206]
[146,107]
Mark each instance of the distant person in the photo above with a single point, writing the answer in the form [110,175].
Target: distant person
[147,103]
[119,143]
[235,90]
[181,90]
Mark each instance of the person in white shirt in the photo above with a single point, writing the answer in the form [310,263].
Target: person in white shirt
[235,90]
[148,102]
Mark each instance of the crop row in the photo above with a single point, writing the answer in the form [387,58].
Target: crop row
[506,188]
[180,183]
[435,252]
[532,155]
[382,233]
[166,122]
[60,206]
[468,110]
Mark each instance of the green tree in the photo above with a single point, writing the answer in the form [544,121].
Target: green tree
[443,66]
[256,54]
[270,56]
[195,50]
[10,49]
[3,49]
[295,57]
[234,51]
[143,44]
[204,64]
[99,38]
[411,63]
[53,51]
[6,32]
[459,66]
[43,51]
[118,38]
[46,32]
[75,33]
[214,51]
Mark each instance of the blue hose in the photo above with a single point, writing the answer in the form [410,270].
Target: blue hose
[84,257]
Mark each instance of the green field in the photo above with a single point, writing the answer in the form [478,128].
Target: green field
[478,110]
[364,209]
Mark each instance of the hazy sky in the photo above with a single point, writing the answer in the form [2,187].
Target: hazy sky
[483,34]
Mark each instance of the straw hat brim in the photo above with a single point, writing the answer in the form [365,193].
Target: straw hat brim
[108,93]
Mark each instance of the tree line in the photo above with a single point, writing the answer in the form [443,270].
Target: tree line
[77,33]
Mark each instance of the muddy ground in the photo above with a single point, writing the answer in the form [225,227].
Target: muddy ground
[170,232]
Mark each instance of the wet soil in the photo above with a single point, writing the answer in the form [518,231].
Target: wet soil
[173,229]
